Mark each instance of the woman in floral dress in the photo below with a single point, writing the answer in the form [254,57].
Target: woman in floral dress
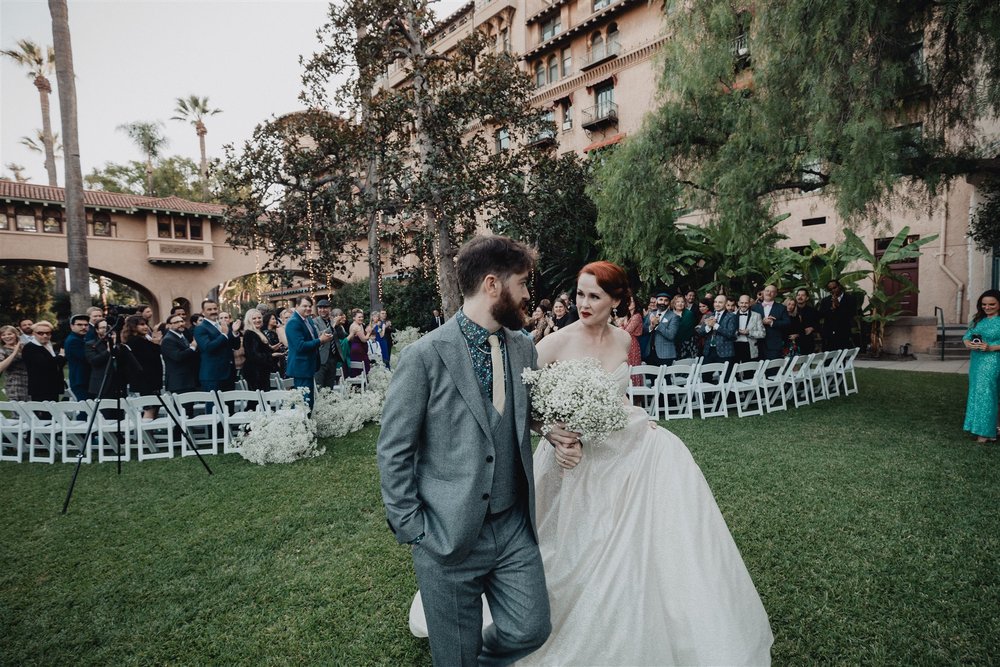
[983,338]
[11,365]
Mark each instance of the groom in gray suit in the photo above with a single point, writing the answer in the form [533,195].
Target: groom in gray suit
[455,460]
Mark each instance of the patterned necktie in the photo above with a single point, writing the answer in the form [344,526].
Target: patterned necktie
[496,359]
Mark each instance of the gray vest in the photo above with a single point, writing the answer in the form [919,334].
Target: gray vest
[508,472]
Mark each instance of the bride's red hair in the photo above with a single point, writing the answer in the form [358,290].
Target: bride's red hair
[612,279]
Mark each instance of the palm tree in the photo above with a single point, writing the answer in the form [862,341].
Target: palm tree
[194,110]
[36,144]
[18,171]
[40,65]
[76,222]
[150,140]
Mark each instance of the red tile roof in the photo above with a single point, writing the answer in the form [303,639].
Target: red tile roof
[99,199]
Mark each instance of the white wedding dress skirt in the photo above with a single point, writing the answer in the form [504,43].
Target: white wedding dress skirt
[639,563]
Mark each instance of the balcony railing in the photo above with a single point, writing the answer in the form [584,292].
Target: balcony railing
[601,54]
[603,113]
[546,136]
[741,47]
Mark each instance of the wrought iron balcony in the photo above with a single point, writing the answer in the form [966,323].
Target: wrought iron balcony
[603,53]
[599,115]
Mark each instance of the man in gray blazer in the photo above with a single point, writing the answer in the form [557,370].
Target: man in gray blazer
[456,465]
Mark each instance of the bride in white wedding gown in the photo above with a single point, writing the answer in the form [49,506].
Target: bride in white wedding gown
[639,563]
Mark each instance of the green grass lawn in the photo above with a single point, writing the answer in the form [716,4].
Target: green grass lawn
[869,524]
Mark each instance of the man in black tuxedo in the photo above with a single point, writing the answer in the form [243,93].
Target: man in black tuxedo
[775,319]
[437,319]
[180,357]
[810,322]
[837,312]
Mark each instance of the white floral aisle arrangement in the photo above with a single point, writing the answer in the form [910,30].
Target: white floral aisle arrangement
[580,394]
[404,337]
[338,414]
[282,436]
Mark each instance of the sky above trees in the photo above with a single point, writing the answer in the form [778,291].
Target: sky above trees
[133,59]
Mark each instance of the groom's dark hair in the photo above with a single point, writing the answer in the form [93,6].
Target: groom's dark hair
[485,255]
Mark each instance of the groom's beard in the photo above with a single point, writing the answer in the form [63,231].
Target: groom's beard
[509,313]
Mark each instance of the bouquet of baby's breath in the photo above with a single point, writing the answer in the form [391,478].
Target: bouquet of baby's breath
[282,436]
[580,394]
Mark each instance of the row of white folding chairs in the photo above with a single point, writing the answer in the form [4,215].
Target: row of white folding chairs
[753,387]
[344,384]
[45,428]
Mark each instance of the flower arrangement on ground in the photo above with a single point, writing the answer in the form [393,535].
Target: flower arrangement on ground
[337,414]
[580,394]
[404,337]
[282,436]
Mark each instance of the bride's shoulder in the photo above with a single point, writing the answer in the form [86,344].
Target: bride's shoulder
[548,347]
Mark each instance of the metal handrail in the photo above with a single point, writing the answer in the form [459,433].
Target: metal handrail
[939,313]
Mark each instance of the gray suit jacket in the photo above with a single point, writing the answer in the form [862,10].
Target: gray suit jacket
[665,335]
[435,452]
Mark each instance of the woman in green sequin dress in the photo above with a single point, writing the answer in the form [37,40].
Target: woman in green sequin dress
[984,368]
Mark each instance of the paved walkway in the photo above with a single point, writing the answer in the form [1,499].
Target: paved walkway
[927,363]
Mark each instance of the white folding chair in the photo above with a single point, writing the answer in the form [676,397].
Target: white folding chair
[677,391]
[745,388]
[154,438]
[206,428]
[361,379]
[831,380]
[107,423]
[73,418]
[239,407]
[13,432]
[817,379]
[797,379]
[772,384]
[277,399]
[649,391]
[845,369]
[43,430]
[275,381]
[711,389]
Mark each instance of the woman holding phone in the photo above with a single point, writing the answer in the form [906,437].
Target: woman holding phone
[983,339]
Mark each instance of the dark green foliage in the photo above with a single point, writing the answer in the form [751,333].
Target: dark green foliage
[172,176]
[25,291]
[984,227]
[408,299]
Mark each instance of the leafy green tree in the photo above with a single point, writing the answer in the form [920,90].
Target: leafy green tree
[856,97]
[40,64]
[149,137]
[177,176]
[984,227]
[194,110]
[422,164]
[25,291]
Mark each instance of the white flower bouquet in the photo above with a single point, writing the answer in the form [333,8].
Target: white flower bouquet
[580,394]
[281,437]
[401,339]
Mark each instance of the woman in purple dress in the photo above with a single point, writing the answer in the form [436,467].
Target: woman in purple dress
[358,336]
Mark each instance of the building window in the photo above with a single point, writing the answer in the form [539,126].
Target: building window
[601,4]
[810,222]
[567,117]
[163,230]
[502,138]
[597,43]
[604,99]
[539,74]
[613,38]
[551,28]
[180,228]
[548,131]
[102,224]
[553,69]
[567,62]
[24,218]
[52,221]
[4,224]
[505,40]
[195,230]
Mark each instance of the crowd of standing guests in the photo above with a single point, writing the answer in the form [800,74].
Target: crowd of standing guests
[211,350]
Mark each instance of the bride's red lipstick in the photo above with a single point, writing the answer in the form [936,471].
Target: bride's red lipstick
[585,314]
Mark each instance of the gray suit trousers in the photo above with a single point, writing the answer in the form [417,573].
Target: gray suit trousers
[505,565]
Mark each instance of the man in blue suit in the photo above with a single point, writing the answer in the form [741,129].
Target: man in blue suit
[304,341]
[719,331]
[215,349]
[775,318]
[76,357]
